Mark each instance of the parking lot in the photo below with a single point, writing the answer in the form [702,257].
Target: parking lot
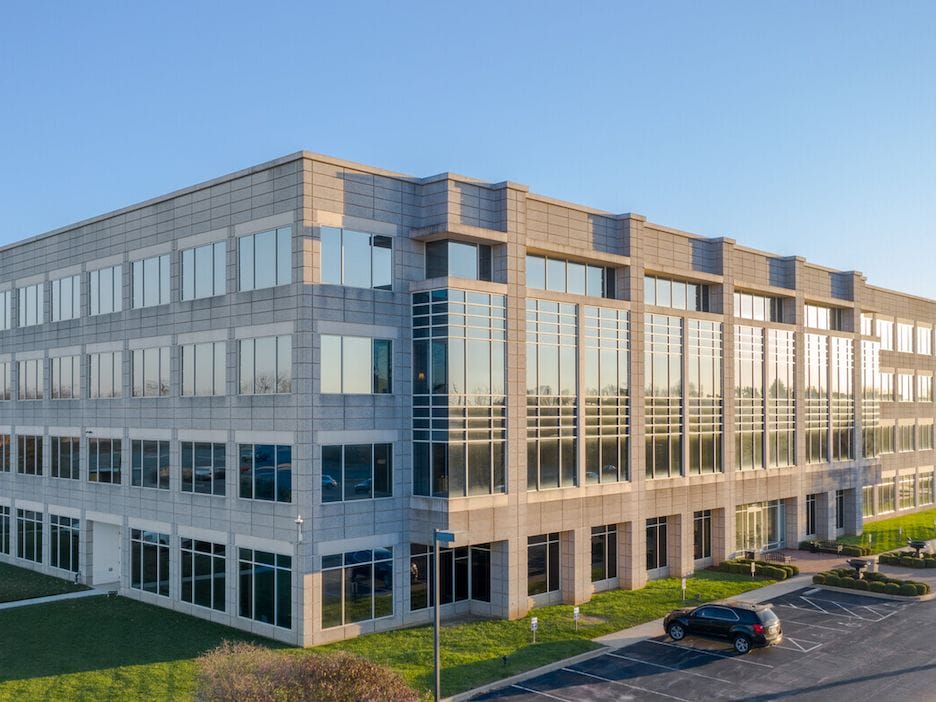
[835,646]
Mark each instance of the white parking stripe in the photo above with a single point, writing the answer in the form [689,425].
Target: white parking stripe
[538,692]
[798,646]
[710,653]
[806,599]
[633,687]
[669,667]
[814,626]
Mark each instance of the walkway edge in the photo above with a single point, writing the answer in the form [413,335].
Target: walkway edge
[53,598]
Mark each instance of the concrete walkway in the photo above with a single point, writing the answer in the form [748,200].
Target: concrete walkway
[53,598]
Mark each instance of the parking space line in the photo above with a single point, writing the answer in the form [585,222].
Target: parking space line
[815,626]
[806,599]
[710,653]
[537,692]
[633,687]
[797,646]
[669,667]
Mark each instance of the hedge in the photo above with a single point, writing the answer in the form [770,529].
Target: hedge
[872,582]
[767,569]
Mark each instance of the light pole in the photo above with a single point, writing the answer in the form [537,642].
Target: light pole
[445,537]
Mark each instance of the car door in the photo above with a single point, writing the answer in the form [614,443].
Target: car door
[721,621]
[701,621]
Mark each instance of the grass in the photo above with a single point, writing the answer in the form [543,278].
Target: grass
[22,584]
[115,648]
[887,534]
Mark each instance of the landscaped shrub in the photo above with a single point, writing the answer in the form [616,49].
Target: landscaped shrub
[908,561]
[805,545]
[833,580]
[876,577]
[889,559]
[908,590]
[930,563]
[891,589]
[238,671]
[819,579]
[860,584]
[876,586]
[921,588]
[853,551]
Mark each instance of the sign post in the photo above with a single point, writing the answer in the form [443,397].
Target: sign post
[575,616]
[753,569]
[534,625]
[684,588]
[444,537]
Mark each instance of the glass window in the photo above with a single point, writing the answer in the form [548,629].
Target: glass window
[885,331]
[104,461]
[203,467]
[6,381]
[663,402]
[203,578]
[656,543]
[150,281]
[265,365]
[568,276]
[543,563]
[31,379]
[150,464]
[6,321]
[758,307]
[66,298]
[678,294]
[356,365]
[149,562]
[458,259]
[604,552]
[204,271]
[356,259]
[63,546]
[151,372]
[29,458]
[203,368]
[905,337]
[265,259]
[105,375]
[464,574]
[5,530]
[105,288]
[66,376]
[356,472]
[357,586]
[702,534]
[65,457]
[29,535]
[31,307]
[266,472]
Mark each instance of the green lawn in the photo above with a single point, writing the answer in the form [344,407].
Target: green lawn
[887,532]
[115,648]
[22,584]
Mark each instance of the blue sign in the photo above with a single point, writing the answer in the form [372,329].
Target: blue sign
[445,537]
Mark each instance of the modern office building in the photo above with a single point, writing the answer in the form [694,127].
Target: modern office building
[253,399]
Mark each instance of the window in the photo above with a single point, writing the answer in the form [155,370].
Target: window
[924,388]
[904,337]
[759,526]
[105,376]
[29,535]
[265,590]
[66,377]
[887,437]
[149,561]
[31,305]
[543,563]
[758,307]
[925,488]
[266,472]
[839,509]
[6,381]
[842,398]
[150,464]
[702,534]
[867,501]
[904,438]
[203,467]
[357,586]
[105,288]
[887,499]
[811,515]
[104,461]
[871,398]
[5,530]
[906,491]
[31,379]
[458,260]
[203,565]
[569,277]
[887,386]
[5,319]
[151,372]
[749,397]
[66,298]
[924,435]
[356,472]
[656,543]
[63,543]
[867,324]
[817,398]
[203,367]
[818,317]
[663,400]
[356,365]
[265,365]
[29,458]
[704,350]
[885,332]
[603,552]
[150,281]
[204,271]
[357,259]
[6,444]
[265,259]
[464,574]
[64,460]
[678,294]
[924,341]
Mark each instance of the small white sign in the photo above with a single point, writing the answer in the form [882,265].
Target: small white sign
[753,569]
[684,584]
[534,624]
[575,613]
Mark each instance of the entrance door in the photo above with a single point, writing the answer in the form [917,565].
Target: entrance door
[106,549]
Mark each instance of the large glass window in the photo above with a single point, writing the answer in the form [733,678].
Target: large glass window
[458,260]
[63,539]
[31,379]
[464,573]
[356,365]
[64,460]
[702,534]
[265,259]
[149,561]
[924,341]
[104,461]
[905,337]
[266,472]
[924,389]
[29,455]
[887,386]
[357,259]
[66,377]
[105,375]
[265,365]
[543,563]
[759,526]
[6,381]
[357,472]
[705,398]
[663,356]
[203,565]
[150,281]
[150,464]
[656,543]
[758,307]
[31,308]
[819,317]
[66,298]
[603,552]
[6,444]
[903,383]
[885,332]
[905,437]
[203,367]
[924,439]
[204,271]
[749,397]
[5,530]
[817,398]
[906,491]
[151,372]
[811,518]
[839,509]
[6,321]
[606,395]
[925,488]
[887,496]
[569,277]
[357,586]
[29,535]
[678,294]
[842,398]
[203,467]
[870,398]
[105,288]
[265,587]
[867,501]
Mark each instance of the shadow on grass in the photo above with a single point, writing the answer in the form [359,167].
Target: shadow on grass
[18,584]
[97,633]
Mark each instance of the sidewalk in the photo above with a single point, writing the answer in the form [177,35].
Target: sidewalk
[52,598]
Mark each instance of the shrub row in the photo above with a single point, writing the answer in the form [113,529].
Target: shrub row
[908,561]
[873,582]
[850,550]
[764,569]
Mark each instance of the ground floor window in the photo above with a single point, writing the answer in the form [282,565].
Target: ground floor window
[839,509]
[266,587]
[925,488]
[5,530]
[149,561]
[656,543]
[203,565]
[759,526]
[887,499]
[603,552]
[464,573]
[810,515]
[357,586]
[906,488]
[543,563]
[29,535]
[702,534]
[64,543]
[867,501]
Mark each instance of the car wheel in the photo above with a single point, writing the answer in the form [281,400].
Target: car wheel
[742,644]
[676,632]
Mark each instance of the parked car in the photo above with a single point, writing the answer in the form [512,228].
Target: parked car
[744,625]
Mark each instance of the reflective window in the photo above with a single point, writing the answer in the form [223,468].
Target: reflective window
[904,337]
[702,534]
[265,472]
[887,496]
[6,380]
[759,526]
[265,587]
[5,530]
[871,398]
[568,276]
[104,461]
[105,375]
[817,398]
[66,376]
[204,271]
[63,543]
[867,324]
[781,401]
[656,543]
[905,437]
[458,260]
[758,307]
[31,308]
[29,454]
[31,379]
[906,492]
[149,562]
[203,580]
[150,281]
[105,288]
[924,438]
[885,332]
[64,461]
[151,372]
[150,464]
[6,321]
[203,467]
[543,563]
[842,398]
[867,501]
[819,317]
[357,472]
[265,365]
[749,397]
[265,259]
[66,298]
[925,486]
[924,341]
[203,368]
[903,384]
[704,350]
[606,396]
[357,259]
[356,365]
[29,535]
[678,294]
[663,381]
[357,586]
[464,574]
[603,552]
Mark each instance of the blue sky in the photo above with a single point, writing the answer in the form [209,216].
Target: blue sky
[796,127]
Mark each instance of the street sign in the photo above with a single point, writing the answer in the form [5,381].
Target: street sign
[445,537]
[575,613]
[534,623]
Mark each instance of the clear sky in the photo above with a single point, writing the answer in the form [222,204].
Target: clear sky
[802,128]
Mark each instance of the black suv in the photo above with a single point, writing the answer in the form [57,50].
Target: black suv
[745,625]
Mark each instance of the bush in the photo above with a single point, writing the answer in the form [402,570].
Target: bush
[805,545]
[861,585]
[819,579]
[889,559]
[238,671]
[876,586]
[921,588]
[930,563]
[908,561]
[833,580]
[891,589]
[876,577]
[908,590]
[853,551]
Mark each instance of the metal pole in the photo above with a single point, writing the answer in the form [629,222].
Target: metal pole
[435,628]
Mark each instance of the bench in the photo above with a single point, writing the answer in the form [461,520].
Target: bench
[778,557]
[825,547]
